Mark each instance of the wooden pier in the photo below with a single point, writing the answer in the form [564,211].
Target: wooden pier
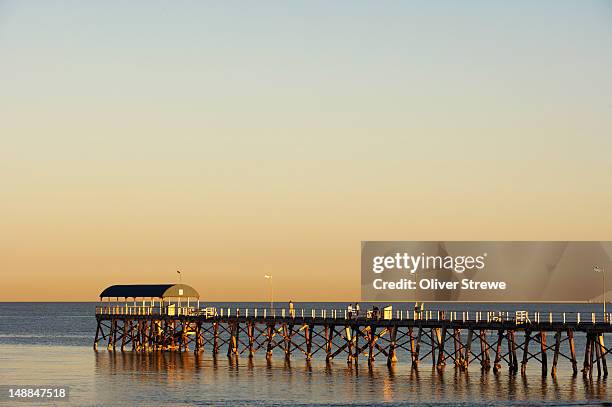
[460,338]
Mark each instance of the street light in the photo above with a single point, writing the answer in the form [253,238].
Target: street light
[269,278]
[601,270]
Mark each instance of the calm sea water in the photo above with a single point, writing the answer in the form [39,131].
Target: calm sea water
[50,344]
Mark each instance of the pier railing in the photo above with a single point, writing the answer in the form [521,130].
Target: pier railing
[518,317]
[145,310]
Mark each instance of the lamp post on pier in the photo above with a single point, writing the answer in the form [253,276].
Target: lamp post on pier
[601,270]
[269,278]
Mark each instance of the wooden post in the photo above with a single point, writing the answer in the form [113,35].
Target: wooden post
[392,356]
[415,354]
[543,350]
[96,339]
[187,330]
[251,335]
[231,343]
[178,334]
[308,335]
[603,354]
[201,339]
[271,329]
[371,343]
[236,338]
[198,337]
[349,338]
[143,336]
[287,333]
[172,333]
[509,342]
[153,335]
[458,348]
[587,365]
[514,357]
[356,338]
[411,342]
[132,338]
[115,330]
[570,336]
[485,359]
[434,345]
[140,336]
[553,371]
[441,341]
[110,344]
[183,342]
[329,336]
[597,353]
[525,352]
[160,335]
[215,350]
[468,349]
[164,332]
[146,335]
[498,350]
[152,330]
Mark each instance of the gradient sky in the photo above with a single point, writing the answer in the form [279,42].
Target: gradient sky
[235,139]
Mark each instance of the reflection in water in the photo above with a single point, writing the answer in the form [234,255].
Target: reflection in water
[388,386]
[227,380]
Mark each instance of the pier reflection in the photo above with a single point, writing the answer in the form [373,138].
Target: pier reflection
[206,378]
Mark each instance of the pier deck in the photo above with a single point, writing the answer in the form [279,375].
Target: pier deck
[462,338]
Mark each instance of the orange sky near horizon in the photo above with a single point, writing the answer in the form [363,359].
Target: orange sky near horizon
[300,222]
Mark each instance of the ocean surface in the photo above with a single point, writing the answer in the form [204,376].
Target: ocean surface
[51,344]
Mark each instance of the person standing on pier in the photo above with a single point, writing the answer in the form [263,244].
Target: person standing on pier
[350,311]
[291,309]
[357,309]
